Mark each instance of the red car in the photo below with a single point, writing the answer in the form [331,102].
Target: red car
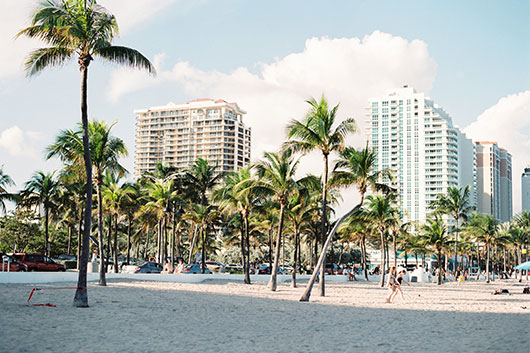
[10,263]
[36,262]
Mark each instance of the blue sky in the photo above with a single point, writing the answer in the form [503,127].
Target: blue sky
[471,53]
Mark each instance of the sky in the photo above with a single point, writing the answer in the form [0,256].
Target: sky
[471,57]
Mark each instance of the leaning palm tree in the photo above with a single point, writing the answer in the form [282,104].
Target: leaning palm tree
[84,30]
[456,204]
[317,131]
[105,151]
[5,181]
[42,189]
[353,167]
[276,180]
[434,236]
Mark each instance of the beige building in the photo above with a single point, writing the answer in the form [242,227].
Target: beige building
[178,134]
[494,184]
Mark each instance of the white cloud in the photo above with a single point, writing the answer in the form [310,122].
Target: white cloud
[346,70]
[508,123]
[15,15]
[19,143]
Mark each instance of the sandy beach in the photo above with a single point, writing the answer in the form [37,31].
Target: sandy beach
[222,316]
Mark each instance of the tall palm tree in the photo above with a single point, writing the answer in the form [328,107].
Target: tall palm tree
[456,204]
[42,189]
[317,131]
[353,167]
[114,198]
[382,213]
[434,236]
[202,178]
[5,181]
[204,218]
[518,238]
[105,151]
[79,29]
[275,173]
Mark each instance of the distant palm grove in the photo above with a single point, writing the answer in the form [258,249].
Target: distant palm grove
[263,213]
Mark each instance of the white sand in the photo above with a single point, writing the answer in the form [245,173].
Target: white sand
[220,316]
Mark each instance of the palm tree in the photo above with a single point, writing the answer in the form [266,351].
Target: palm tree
[114,198]
[434,236]
[275,179]
[382,213]
[353,167]
[484,228]
[41,189]
[456,204]
[82,29]
[105,151]
[317,132]
[519,239]
[235,195]
[204,218]
[201,178]
[5,181]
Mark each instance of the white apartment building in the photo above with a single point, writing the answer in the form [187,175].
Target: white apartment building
[416,139]
[525,189]
[494,170]
[178,134]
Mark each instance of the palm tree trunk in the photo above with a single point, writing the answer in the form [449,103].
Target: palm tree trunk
[274,272]
[395,250]
[172,242]
[102,267]
[243,256]
[246,267]
[363,249]
[79,238]
[81,293]
[109,243]
[69,247]
[487,264]
[383,258]
[129,230]
[324,225]
[456,246]
[203,251]
[146,242]
[319,265]
[159,242]
[270,247]
[115,244]
[406,260]
[295,265]
[440,267]
[46,219]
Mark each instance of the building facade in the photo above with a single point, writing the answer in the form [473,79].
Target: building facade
[494,188]
[179,134]
[416,139]
[525,189]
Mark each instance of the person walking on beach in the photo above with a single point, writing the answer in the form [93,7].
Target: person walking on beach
[399,280]
[391,284]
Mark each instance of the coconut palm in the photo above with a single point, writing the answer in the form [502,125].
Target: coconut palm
[434,236]
[356,229]
[317,131]
[204,218]
[484,229]
[115,197]
[518,238]
[84,30]
[5,181]
[276,180]
[456,204]
[105,151]
[42,189]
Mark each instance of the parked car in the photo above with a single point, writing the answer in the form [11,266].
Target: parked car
[8,262]
[195,268]
[233,268]
[331,269]
[67,257]
[36,262]
[215,266]
[148,267]
[264,269]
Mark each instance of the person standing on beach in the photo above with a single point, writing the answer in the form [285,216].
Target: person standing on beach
[391,284]
[179,268]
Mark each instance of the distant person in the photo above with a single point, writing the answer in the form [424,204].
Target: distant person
[399,280]
[168,268]
[180,267]
[391,284]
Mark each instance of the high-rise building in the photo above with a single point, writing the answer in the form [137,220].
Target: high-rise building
[416,139]
[494,187]
[178,134]
[525,189]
